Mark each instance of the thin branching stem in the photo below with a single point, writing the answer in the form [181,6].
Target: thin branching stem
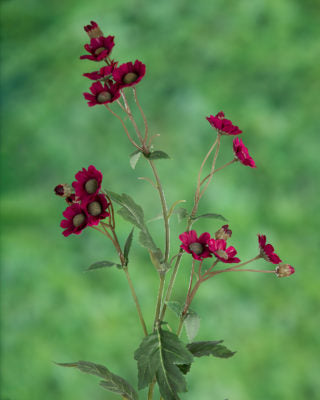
[218,169]
[143,116]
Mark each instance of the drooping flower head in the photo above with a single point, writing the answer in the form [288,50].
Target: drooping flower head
[99,48]
[222,125]
[198,247]
[93,30]
[267,250]
[76,220]
[242,153]
[226,255]
[284,270]
[223,233]
[88,183]
[129,74]
[102,94]
[104,72]
[96,208]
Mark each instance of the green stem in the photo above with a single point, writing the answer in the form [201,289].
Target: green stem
[159,298]
[218,169]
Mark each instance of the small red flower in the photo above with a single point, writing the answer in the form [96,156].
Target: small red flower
[63,190]
[71,199]
[129,74]
[88,183]
[267,250]
[223,233]
[102,94]
[242,154]
[284,270]
[76,220]
[93,30]
[99,47]
[104,72]
[226,255]
[198,247]
[224,126]
[96,209]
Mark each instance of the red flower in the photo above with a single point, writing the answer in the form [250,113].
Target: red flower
[102,73]
[88,183]
[267,250]
[99,47]
[218,248]
[129,74]
[224,126]
[242,154]
[96,208]
[63,190]
[76,220]
[93,30]
[198,247]
[102,94]
[284,270]
[223,233]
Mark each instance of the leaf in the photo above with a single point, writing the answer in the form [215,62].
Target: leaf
[192,324]
[158,355]
[175,306]
[214,348]
[127,245]
[210,215]
[111,382]
[134,158]
[103,264]
[181,212]
[174,205]
[157,155]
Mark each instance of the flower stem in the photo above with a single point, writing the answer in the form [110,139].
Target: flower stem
[162,276]
[129,113]
[218,169]
[212,168]
[143,116]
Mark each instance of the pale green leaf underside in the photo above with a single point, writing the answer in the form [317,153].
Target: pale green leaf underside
[210,215]
[103,264]
[192,324]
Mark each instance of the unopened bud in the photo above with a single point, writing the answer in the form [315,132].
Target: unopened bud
[223,233]
[284,270]
[93,30]
[63,190]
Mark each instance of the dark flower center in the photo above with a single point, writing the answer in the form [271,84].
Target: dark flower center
[130,77]
[78,220]
[222,254]
[91,186]
[99,51]
[196,247]
[104,96]
[94,208]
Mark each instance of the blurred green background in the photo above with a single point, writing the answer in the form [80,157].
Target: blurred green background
[256,60]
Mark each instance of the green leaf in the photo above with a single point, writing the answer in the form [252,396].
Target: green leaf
[214,348]
[181,212]
[146,241]
[210,215]
[192,324]
[111,382]
[127,245]
[134,158]
[175,306]
[157,155]
[103,264]
[158,355]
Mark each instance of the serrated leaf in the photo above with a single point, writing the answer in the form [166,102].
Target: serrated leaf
[127,245]
[134,158]
[175,306]
[192,324]
[181,212]
[184,368]
[111,382]
[210,215]
[214,348]
[158,355]
[157,155]
[103,264]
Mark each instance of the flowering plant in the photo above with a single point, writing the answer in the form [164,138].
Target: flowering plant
[162,357]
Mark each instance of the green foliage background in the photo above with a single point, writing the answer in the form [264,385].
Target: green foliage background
[256,60]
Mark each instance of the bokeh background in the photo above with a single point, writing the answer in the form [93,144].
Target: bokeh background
[256,60]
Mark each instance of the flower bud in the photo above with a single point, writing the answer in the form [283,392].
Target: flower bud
[63,190]
[93,30]
[283,270]
[223,233]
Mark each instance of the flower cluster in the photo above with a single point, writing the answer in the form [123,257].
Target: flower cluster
[87,205]
[110,79]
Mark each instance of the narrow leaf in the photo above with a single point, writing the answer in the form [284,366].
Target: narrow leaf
[103,264]
[175,306]
[174,205]
[192,324]
[157,155]
[214,348]
[134,158]
[210,215]
[158,354]
[111,382]
[127,245]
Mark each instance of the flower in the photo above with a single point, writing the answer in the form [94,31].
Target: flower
[102,73]
[102,94]
[223,233]
[88,183]
[218,248]
[242,154]
[99,47]
[267,250]
[96,208]
[76,220]
[224,126]
[198,247]
[71,199]
[284,270]
[63,190]
[93,30]
[129,74]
